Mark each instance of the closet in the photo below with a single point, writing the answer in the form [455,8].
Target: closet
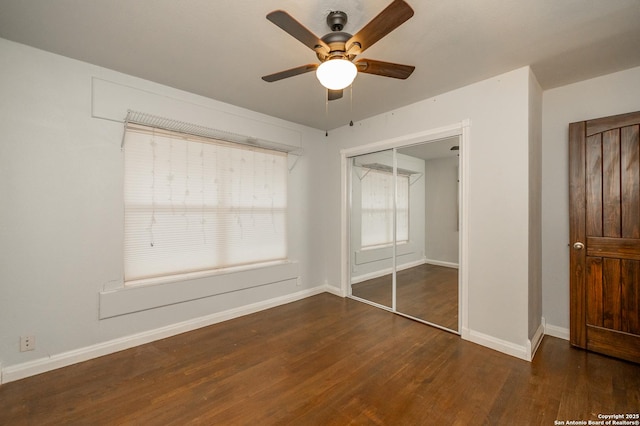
[403,230]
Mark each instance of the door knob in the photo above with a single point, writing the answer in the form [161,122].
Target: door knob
[578,245]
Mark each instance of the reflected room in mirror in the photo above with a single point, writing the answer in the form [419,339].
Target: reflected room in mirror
[404,233]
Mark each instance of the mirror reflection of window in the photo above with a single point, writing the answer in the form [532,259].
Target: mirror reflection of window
[377,209]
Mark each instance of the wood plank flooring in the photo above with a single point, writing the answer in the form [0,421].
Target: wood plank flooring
[324,360]
[428,292]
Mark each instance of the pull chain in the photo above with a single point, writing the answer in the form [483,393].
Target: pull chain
[351,105]
[326,112]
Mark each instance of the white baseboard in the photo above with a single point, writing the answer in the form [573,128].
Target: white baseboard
[523,352]
[334,290]
[555,331]
[442,263]
[496,344]
[386,271]
[371,275]
[31,368]
[534,343]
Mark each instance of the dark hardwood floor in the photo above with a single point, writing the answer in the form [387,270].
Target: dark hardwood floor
[325,360]
[377,290]
[428,292]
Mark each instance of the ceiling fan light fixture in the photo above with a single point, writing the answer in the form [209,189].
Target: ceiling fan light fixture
[336,74]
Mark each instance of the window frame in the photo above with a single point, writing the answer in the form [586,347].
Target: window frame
[181,274]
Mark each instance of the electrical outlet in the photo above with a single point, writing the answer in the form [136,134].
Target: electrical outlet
[27,343]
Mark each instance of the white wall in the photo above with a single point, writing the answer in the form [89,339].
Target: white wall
[535,209]
[61,221]
[441,210]
[498,196]
[599,97]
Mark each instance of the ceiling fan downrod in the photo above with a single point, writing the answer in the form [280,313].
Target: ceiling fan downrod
[336,20]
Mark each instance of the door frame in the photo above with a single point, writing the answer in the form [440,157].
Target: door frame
[462,130]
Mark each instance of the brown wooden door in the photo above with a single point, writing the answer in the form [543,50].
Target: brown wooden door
[604,179]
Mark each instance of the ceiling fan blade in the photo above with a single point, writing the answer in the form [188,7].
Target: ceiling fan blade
[385,69]
[297,30]
[388,20]
[289,73]
[334,94]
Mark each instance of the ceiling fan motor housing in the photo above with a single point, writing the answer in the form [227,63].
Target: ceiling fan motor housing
[336,39]
[336,20]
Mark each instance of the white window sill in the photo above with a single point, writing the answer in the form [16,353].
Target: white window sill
[153,293]
[201,274]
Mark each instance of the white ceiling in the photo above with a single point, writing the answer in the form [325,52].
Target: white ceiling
[221,48]
[435,149]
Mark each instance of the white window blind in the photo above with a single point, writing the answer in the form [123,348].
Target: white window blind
[197,204]
[377,208]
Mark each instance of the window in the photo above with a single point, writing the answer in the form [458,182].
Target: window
[377,208]
[197,204]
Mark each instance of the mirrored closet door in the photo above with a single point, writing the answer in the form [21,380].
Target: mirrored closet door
[404,232]
[371,227]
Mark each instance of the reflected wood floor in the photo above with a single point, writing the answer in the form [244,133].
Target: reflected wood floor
[428,292]
[324,360]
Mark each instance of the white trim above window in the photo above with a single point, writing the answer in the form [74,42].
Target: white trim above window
[181,128]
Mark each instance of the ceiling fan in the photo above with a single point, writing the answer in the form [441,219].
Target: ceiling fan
[339,49]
